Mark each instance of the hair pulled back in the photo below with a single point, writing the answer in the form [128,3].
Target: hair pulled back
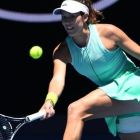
[94,15]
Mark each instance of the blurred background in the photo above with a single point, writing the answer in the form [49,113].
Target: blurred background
[24,81]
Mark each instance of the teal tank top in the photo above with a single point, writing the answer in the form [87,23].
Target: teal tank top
[96,62]
[102,67]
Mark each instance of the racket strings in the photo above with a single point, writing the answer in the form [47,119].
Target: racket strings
[5,129]
[1,137]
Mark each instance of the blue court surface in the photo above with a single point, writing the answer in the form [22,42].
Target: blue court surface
[53,129]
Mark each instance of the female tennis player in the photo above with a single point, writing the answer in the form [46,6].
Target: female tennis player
[97,51]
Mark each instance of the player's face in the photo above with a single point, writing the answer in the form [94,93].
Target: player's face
[72,22]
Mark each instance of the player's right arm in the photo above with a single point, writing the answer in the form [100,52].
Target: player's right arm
[57,82]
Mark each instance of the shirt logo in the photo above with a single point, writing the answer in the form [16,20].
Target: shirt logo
[98,56]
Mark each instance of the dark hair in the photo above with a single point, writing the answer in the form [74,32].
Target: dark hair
[94,15]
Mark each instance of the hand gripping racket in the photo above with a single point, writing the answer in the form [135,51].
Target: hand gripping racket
[7,132]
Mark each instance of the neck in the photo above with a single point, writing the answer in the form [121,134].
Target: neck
[82,39]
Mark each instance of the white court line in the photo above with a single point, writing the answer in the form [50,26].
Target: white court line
[40,18]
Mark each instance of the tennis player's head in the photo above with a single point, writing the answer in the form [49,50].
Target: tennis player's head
[80,6]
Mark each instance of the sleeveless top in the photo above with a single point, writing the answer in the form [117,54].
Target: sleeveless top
[96,62]
[108,69]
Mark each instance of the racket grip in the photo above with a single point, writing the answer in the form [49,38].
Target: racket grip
[35,116]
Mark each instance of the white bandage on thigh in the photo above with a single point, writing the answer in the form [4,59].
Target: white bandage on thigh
[129,125]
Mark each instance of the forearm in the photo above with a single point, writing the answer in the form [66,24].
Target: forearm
[54,91]
[56,86]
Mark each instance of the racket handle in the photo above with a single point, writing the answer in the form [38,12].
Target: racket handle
[35,116]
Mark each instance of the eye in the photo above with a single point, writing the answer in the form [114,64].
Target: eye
[63,17]
[71,16]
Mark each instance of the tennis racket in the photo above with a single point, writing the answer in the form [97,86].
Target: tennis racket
[7,132]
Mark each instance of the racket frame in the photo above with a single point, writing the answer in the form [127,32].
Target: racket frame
[23,121]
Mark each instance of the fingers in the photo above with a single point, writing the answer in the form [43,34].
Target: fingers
[53,111]
[48,107]
[49,113]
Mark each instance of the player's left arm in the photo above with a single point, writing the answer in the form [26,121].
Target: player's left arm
[126,43]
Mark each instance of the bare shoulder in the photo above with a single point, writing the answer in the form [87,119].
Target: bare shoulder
[60,47]
[107,29]
[61,51]
[112,32]
[110,35]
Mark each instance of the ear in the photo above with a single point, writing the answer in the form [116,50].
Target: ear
[85,17]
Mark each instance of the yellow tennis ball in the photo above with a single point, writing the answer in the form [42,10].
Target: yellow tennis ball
[36,52]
